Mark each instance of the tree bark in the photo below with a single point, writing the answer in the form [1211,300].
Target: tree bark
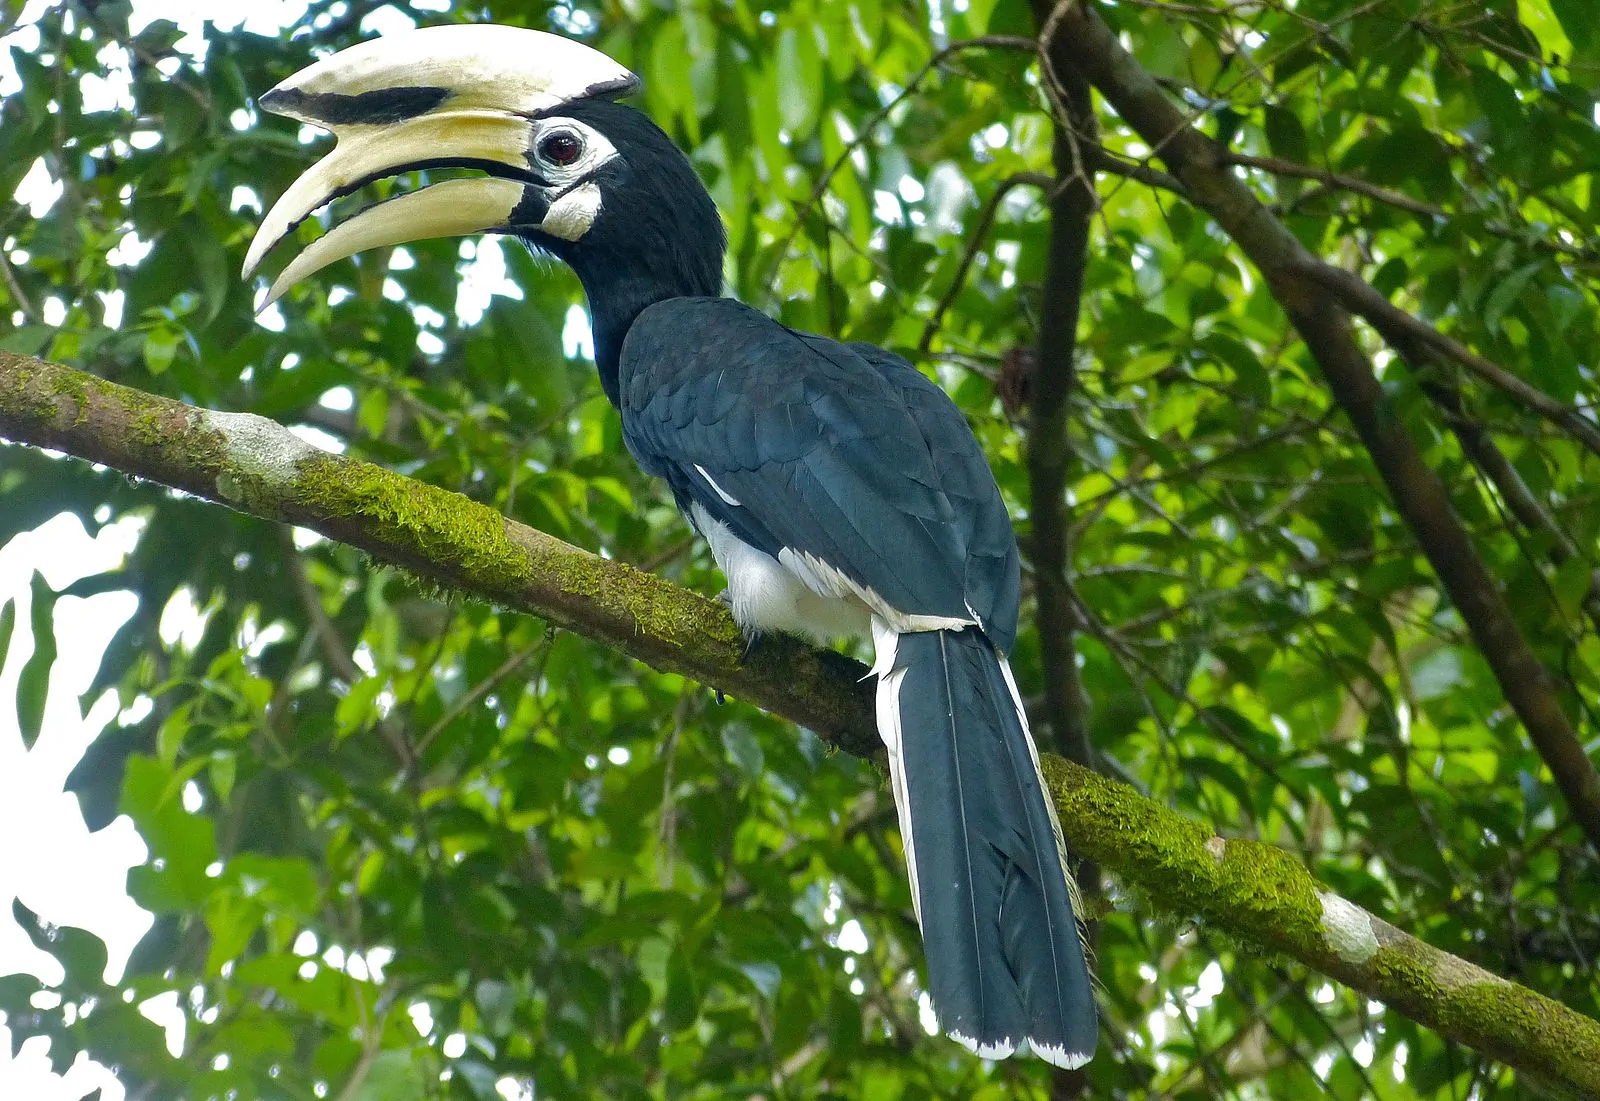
[1050,389]
[1257,894]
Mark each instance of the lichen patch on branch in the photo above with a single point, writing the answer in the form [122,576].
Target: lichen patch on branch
[263,455]
[1347,929]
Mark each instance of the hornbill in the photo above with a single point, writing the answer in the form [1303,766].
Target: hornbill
[841,491]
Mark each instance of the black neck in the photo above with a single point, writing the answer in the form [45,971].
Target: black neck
[619,292]
[658,234]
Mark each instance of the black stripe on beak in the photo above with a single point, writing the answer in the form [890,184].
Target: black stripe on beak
[375,108]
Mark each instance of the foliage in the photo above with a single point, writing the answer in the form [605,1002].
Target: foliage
[606,882]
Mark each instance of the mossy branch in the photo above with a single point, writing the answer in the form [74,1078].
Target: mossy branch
[259,467]
[1263,897]
[1259,895]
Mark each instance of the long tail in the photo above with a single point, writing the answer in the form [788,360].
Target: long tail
[984,850]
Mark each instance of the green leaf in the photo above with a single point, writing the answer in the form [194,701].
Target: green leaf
[28,340]
[33,684]
[392,1076]
[744,750]
[16,994]
[211,269]
[799,81]
[160,348]
[682,1005]
[672,85]
[1506,291]
[1573,581]
[1286,135]
[497,1001]
[1577,19]
[82,955]
[182,845]
[8,624]
[1498,102]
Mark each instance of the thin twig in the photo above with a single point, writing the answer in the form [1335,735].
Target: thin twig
[18,295]
[1280,167]
[975,240]
[864,133]
[477,692]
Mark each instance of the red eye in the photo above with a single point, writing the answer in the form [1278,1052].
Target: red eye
[561,148]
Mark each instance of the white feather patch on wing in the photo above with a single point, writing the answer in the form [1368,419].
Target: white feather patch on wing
[820,577]
[764,596]
[885,640]
[727,497]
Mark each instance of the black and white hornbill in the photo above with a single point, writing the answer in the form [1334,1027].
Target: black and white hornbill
[841,491]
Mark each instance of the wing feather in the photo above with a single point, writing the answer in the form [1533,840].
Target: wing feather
[859,463]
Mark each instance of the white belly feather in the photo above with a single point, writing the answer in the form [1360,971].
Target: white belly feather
[766,596]
[799,594]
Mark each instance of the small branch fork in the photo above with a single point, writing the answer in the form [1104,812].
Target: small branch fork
[1258,894]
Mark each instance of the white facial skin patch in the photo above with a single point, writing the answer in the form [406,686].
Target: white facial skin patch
[570,216]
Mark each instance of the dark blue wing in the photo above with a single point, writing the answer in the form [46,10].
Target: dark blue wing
[843,452]
[994,576]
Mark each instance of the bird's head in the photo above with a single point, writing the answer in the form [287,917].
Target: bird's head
[566,168]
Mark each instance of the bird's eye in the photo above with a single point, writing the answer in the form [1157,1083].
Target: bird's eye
[561,148]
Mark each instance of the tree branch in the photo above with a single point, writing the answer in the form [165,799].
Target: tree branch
[1262,895]
[1420,343]
[260,468]
[1050,452]
[1519,499]
[1258,894]
[1280,167]
[1301,283]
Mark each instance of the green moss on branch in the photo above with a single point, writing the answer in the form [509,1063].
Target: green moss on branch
[1261,896]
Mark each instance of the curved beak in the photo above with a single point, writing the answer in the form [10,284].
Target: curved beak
[458,96]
